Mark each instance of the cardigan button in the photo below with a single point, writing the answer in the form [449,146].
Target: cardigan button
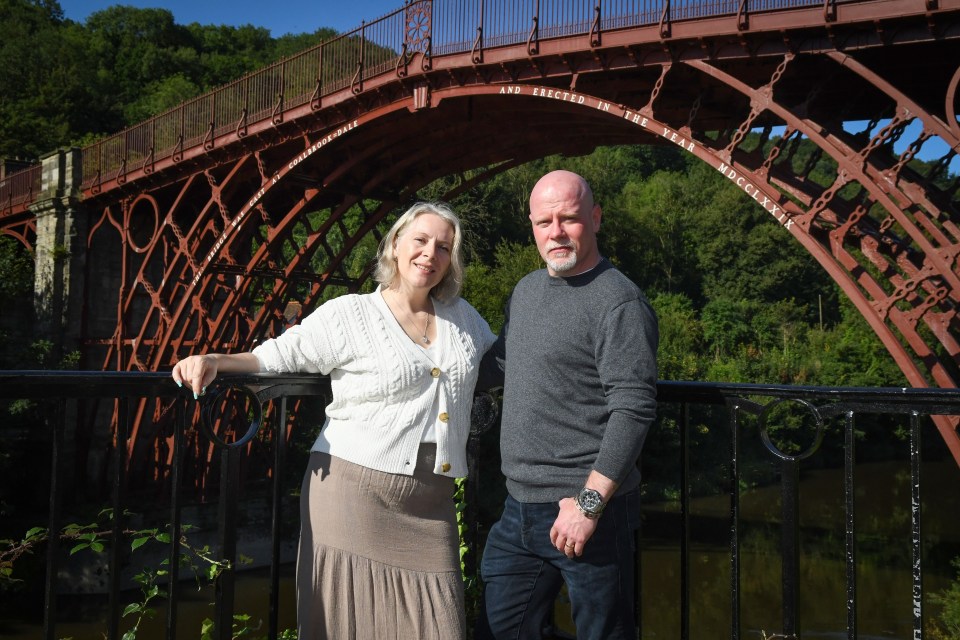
[444,416]
[435,372]
[445,467]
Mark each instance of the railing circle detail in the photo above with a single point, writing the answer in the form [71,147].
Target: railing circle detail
[208,403]
[773,448]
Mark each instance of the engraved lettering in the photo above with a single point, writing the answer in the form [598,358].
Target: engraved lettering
[754,192]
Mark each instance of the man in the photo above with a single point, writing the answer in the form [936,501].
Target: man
[578,357]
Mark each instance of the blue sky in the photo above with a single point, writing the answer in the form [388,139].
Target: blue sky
[282,17]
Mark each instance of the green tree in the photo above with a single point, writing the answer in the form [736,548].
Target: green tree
[488,287]
[652,234]
[681,337]
[132,49]
[851,354]
[44,75]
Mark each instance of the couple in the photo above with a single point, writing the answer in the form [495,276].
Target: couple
[378,554]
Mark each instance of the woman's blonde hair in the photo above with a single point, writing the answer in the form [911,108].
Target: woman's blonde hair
[386,270]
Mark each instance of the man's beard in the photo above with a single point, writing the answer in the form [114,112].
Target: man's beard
[565,264]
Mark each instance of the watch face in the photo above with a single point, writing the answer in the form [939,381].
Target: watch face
[590,499]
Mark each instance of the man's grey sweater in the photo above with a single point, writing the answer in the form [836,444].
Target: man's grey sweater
[580,374]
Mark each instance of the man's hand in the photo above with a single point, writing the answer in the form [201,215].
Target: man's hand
[571,530]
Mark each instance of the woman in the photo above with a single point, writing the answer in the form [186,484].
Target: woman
[379,549]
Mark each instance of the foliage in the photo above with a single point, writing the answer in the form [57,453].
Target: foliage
[66,82]
[947,626]
[681,337]
[16,271]
[471,581]
[487,288]
[94,537]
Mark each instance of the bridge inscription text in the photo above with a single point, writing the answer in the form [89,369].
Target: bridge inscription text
[657,128]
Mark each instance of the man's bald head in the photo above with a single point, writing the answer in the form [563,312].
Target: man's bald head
[565,221]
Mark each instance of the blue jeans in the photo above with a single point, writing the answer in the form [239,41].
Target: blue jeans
[522,573]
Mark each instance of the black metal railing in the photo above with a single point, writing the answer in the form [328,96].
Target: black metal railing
[709,442]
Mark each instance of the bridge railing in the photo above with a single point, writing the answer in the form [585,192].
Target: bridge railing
[704,430]
[382,46]
[19,188]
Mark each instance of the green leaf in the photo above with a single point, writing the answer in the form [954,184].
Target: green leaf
[133,607]
[96,546]
[139,542]
[164,537]
[79,547]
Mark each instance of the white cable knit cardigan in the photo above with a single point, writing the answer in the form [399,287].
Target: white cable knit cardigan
[383,384]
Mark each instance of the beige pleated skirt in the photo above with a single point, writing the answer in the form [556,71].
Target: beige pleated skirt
[379,554]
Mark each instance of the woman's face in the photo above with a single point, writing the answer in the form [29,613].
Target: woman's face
[423,251]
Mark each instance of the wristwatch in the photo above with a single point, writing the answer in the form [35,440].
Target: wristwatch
[590,503]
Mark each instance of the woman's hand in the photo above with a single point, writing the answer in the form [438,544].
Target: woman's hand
[196,372]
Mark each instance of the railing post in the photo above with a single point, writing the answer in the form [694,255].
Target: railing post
[477,54]
[596,28]
[53,523]
[177,154]
[665,20]
[208,139]
[151,150]
[356,85]
[685,521]
[849,491]
[916,508]
[317,97]
[176,528]
[277,116]
[734,409]
[533,40]
[226,581]
[279,454]
[116,534]
[790,544]
[743,18]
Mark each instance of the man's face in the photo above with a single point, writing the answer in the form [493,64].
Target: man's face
[564,228]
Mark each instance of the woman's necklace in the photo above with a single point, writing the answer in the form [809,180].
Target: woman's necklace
[423,334]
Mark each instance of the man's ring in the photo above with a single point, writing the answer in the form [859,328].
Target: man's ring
[570,546]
